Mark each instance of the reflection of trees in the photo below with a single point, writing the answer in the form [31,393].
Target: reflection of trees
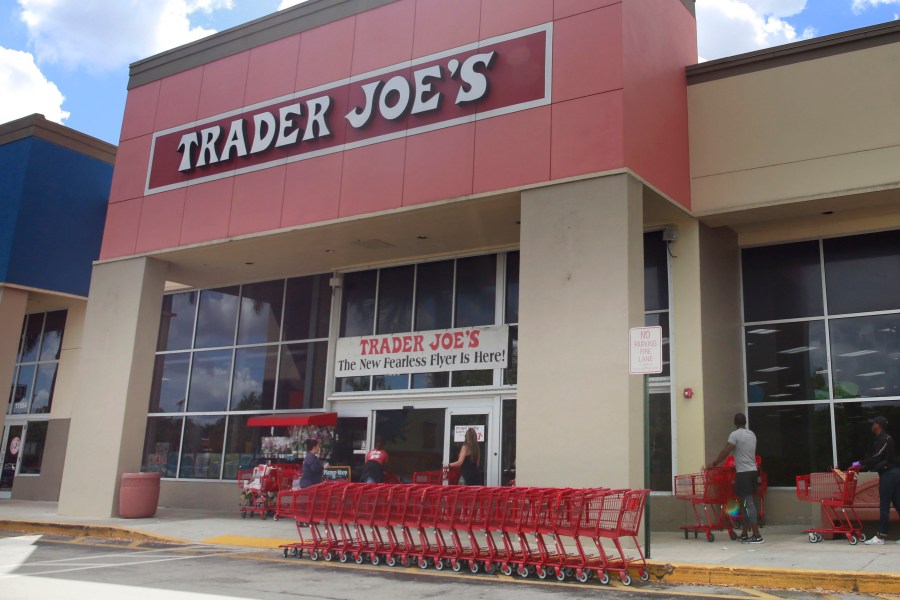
[250,401]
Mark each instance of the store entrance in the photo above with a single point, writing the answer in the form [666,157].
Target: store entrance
[413,438]
[12,446]
[459,422]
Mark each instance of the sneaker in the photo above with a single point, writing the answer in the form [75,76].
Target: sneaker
[756,539]
[744,537]
[874,541]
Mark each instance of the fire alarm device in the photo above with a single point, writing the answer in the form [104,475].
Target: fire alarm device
[688,393]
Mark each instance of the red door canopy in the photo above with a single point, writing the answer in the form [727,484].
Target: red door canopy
[319,419]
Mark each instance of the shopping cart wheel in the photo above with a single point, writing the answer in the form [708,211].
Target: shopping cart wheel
[375,559]
[314,555]
[561,575]
[710,537]
[404,561]
[862,537]
[523,572]
[686,534]
[284,553]
[358,558]
[456,565]
[423,563]
[645,575]
[275,517]
[243,515]
[853,540]
[813,538]
[626,579]
[542,573]
[732,535]
[343,557]
[328,555]
[604,578]
[474,567]
[489,568]
[583,576]
[296,552]
[390,560]
[506,569]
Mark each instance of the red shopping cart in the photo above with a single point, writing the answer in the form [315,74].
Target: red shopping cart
[450,475]
[836,492]
[710,489]
[258,490]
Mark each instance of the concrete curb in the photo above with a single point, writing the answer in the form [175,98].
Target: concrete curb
[677,573]
[772,578]
[86,530]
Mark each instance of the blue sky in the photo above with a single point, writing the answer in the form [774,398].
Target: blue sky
[69,58]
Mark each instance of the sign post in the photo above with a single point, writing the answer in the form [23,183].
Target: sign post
[645,348]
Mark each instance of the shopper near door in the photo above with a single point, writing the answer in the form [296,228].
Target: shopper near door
[742,442]
[376,459]
[313,469]
[469,461]
[884,462]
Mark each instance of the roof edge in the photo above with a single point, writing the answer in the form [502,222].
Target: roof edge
[788,54]
[38,126]
[269,28]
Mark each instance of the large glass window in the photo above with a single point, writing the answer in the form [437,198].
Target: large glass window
[429,296]
[821,342]
[34,373]
[656,307]
[255,349]
[33,448]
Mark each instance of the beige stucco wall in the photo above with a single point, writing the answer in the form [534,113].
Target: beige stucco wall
[201,495]
[580,414]
[12,313]
[45,486]
[115,371]
[818,128]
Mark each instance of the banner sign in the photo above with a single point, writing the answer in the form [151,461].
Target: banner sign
[493,77]
[466,349]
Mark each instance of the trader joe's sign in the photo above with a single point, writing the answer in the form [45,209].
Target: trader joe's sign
[494,77]
[466,349]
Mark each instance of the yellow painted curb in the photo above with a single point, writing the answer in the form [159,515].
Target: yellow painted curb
[836,581]
[249,542]
[85,530]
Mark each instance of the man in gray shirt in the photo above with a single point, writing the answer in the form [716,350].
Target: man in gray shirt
[742,442]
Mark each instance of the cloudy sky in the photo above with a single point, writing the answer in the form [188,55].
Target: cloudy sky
[68,59]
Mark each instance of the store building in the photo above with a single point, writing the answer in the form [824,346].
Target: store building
[54,186]
[423,216]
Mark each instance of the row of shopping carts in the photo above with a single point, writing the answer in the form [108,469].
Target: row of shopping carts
[259,488]
[547,532]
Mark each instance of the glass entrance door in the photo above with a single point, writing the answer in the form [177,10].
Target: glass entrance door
[12,446]
[458,423]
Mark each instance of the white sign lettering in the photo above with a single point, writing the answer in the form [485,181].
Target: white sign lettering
[467,349]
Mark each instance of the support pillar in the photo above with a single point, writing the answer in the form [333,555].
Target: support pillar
[12,315]
[580,413]
[116,368]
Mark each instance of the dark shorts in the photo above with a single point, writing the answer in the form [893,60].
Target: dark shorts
[745,483]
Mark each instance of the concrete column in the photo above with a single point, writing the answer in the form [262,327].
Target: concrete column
[580,414]
[706,333]
[116,367]
[12,315]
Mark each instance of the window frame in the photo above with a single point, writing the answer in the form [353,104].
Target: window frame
[37,364]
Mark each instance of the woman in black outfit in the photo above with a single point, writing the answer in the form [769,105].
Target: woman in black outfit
[469,461]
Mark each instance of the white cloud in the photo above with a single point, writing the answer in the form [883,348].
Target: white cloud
[26,90]
[728,27]
[289,3]
[108,34]
[861,5]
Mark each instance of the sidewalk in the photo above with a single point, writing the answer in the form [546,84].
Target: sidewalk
[786,560]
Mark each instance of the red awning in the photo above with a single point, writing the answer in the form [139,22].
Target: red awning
[319,419]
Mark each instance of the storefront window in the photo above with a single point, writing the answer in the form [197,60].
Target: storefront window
[787,362]
[424,381]
[656,306]
[476,289]
[358,303]
[201,447]
[782,282]
[259,348]
[508,444]
[260,318]
[395,300]
[661,441]
[434,295]
[414,439]
[792,440]
[511,374]
[33,448]
[34,374]
[512,287]
[217,317]
[176,328]
[797,325]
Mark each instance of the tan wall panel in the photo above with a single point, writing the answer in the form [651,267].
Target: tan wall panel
[12,315]
[795,131]
[580,414]
[205,495]
[806,228]
[107,430]
[65,393]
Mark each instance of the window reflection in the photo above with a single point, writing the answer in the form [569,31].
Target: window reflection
[308,308]
[210,381]
[854,432]
[395,300]
[217,317]
[661,441]
[161,445]
[169,382]
[51,341]
[260,318]
[253,387]
[786,362]
[301,379]
[434,296]
[358,303]
[861,272]
[43,388]
[512,287]
[662,320]
[792,440]
[390,382]
[425,381]
[865,352]
[782,282]
[176,327]
[201,453]
[31,338]
[511,373]
[476,288]
[656,272]
[23,390]
[243,446]
[33,448]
